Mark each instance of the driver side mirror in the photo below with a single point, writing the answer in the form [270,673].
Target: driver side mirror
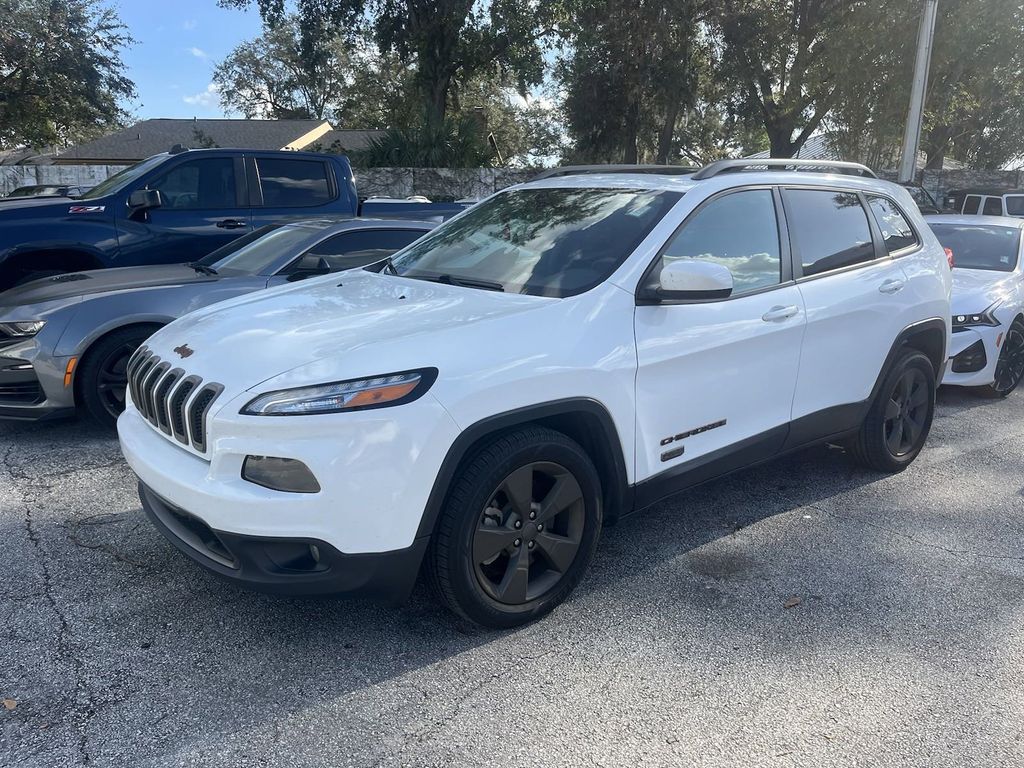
[310,266]
[690,280]
[145,199]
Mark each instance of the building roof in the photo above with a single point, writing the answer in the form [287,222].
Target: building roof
[346,140]
[150,137]
[815,148]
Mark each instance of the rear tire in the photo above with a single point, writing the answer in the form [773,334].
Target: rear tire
[518,529]
[102,378]
[900,417]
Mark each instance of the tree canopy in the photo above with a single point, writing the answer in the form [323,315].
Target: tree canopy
[61,74]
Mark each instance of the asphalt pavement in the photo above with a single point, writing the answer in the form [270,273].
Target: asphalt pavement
[803,613]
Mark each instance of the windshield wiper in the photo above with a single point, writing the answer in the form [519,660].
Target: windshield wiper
[202,269]
[465,282]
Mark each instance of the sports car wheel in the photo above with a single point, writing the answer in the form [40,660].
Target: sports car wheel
[102,379]
[1009,366]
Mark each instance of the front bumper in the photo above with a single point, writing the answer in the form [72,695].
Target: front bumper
[962,345]
[286,566]
[31,384]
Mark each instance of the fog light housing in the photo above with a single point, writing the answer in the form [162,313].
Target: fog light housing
[971,360]
[289,475]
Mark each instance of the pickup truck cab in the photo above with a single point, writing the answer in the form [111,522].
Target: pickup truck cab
[179,206]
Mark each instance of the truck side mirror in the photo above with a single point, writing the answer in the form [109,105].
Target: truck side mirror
[144,199]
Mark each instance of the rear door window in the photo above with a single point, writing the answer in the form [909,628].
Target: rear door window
[993,206]
[972,204]
[830,229]
[896,230]
[298,183]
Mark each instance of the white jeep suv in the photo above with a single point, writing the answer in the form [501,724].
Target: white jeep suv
[559,355]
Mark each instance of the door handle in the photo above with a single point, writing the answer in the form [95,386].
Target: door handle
[891,286]
[778,314]
[231,224]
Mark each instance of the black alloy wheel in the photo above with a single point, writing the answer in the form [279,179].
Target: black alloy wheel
[900,416]
[101,381]
[906,413]
[1010,364]
[529,533]
[518,528]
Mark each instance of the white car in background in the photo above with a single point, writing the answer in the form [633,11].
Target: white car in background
[986,350]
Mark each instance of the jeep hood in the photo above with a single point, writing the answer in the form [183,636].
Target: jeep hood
[975,290]
[357,321]
[77,284]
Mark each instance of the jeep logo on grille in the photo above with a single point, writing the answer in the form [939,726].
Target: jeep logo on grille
[184,351]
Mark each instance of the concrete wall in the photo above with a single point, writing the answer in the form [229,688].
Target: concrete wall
[455,183]
[12,176]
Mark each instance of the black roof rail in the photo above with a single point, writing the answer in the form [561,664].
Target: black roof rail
[575,170]
[725,166]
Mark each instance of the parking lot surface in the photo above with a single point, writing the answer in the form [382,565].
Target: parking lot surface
[901,645]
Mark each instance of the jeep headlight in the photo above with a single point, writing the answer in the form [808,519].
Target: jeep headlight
[22,329]
[353,395]
[978,318]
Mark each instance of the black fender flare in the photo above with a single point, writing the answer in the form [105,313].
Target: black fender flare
[618,491]
[914,329]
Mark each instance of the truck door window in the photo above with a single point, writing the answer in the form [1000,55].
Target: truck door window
[993,206]
[972,204]
[288,183]
[206,183]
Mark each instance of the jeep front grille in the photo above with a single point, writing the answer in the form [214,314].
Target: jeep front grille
[172,401]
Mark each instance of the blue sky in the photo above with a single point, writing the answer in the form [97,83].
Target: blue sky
[177,44]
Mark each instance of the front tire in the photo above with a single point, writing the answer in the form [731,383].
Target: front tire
[102,375]
[1009,367]
[900,417]
[518,529]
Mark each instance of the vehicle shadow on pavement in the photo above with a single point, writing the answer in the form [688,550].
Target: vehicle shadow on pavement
[119,645]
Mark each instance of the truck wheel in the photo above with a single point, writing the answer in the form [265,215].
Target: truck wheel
[102,376]
[900,417]
[518,529]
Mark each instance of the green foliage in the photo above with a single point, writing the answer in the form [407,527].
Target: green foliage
[450,144]
[61,74]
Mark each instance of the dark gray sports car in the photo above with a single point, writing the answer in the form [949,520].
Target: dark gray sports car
[65,340]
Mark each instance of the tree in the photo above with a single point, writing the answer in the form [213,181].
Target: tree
[630,76]
[270,77]
[61,74]
[787,59]
[448,40]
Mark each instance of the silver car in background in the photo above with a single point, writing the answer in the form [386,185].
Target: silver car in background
[65,340]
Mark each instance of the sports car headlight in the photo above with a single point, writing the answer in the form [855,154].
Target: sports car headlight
[22,329]
[979,318]
[353,395]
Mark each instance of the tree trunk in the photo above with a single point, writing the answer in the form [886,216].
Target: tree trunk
[630,154]
[668,129]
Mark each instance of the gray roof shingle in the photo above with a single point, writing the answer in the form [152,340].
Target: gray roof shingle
[150,137]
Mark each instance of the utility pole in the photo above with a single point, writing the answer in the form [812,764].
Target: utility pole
[918,91]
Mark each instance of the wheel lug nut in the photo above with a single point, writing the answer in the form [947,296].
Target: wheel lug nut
[533,515]
[530,545]
[519,523]
[540,527]
[518,542]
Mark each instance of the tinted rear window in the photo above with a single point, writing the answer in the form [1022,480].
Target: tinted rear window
[288,183]
[993,248]
[830,228]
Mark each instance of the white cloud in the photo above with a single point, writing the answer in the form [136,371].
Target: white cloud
[207,98]
[188,24]
[199,53]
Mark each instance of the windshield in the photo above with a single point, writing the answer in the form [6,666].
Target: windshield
[542,242]
[260,250]
[123,177]
[976,247]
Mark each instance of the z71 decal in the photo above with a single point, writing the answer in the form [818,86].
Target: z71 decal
[87,209]
[679,450]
